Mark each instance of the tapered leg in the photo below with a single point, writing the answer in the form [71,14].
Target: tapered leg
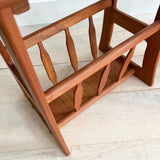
[151,57]
[107,29]
[15,45]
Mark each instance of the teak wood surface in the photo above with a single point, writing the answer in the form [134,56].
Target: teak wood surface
[68,98]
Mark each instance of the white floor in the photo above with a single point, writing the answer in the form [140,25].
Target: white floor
[124,124]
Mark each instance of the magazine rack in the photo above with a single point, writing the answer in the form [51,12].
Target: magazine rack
[68,98]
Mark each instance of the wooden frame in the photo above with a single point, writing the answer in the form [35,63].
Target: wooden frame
[88,84]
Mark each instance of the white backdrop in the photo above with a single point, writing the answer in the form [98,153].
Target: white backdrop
[48,11]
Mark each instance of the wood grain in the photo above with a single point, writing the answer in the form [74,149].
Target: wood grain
[126,63]
[47,64]
[92,38]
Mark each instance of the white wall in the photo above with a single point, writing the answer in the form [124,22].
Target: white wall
[48,11]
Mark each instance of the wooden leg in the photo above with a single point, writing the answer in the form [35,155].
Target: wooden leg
[15,45]
[151,57]
[150,61]
[107,29]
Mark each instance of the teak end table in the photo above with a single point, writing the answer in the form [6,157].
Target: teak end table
[88,84]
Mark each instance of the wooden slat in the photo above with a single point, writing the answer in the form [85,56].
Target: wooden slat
[92,38]
[73,58]
[47,64]
[78,95]
[103,79]
[66,22]
[126,63]
[71,50]
[95,98]
[100,62]
[128,22]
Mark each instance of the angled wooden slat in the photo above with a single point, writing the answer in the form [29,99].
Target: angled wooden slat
[92,38]
[71,50]
[104,78]
[47,64]
[126,63]
[78,95]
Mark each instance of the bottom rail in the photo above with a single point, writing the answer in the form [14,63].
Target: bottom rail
[72,115]
[63,107]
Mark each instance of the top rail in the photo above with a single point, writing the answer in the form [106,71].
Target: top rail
[102,61]
[66,22]
[128,22]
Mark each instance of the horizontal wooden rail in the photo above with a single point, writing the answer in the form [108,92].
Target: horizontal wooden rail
[84,106]
[99,63]
[128,22]
[66,22]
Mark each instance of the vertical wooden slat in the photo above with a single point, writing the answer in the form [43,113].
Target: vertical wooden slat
[103,79]
[126,63]
[92,38]
[71,50]
[47,64]
[78,94]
